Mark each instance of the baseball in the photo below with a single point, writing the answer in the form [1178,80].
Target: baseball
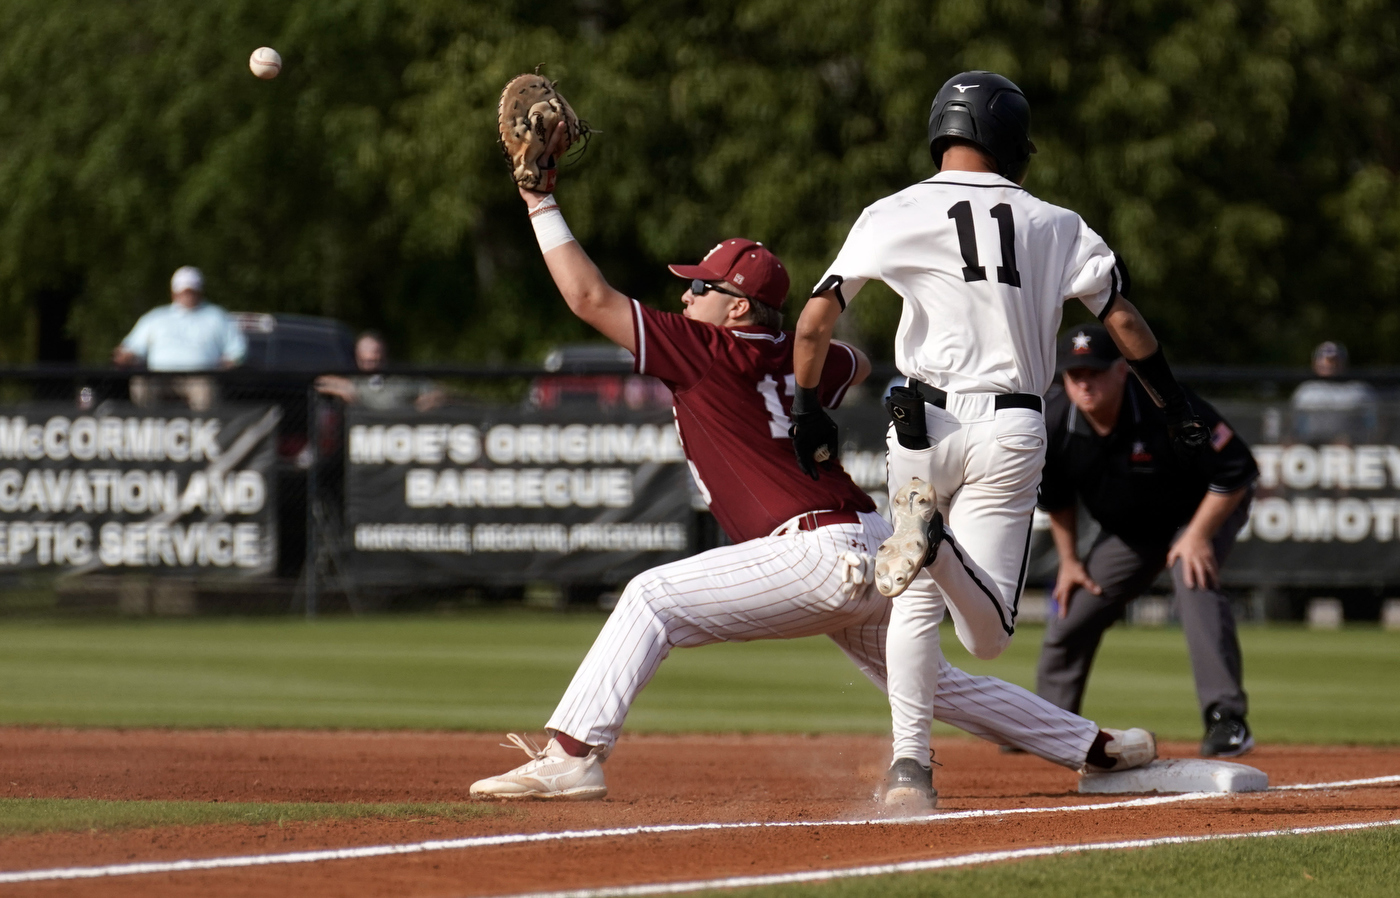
[265,62]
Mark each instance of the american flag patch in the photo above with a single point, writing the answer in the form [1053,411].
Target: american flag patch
[1220,436]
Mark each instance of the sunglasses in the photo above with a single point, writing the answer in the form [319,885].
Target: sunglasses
[700,288]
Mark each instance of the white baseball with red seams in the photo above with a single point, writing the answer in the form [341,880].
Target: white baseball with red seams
[266,63]
[984,269]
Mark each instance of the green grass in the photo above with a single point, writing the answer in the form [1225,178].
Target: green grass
[506,669]
[1335,865]
[39,815]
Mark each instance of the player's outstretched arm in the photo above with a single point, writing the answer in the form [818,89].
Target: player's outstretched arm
[814,434]
[583,286]
[1144,354]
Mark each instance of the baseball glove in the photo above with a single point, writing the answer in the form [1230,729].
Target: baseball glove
[530,110]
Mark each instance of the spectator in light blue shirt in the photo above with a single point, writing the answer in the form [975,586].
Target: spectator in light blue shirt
[187,335]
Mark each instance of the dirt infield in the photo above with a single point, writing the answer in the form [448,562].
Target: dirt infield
[653,780]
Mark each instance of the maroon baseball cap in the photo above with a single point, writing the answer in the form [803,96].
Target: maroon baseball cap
[746,264]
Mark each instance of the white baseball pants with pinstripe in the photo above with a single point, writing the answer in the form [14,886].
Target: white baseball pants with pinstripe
[782,587]
[984,466]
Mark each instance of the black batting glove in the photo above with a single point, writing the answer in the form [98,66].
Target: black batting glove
[813,433]
[1188,432]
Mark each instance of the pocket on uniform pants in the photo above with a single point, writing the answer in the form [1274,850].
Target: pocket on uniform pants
[1020,442]
[1020,430]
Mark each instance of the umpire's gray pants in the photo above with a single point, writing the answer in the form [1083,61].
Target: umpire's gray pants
[1124,573]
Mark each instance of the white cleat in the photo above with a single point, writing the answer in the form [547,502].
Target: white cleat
[904,554]
[552,773]
[1129,748]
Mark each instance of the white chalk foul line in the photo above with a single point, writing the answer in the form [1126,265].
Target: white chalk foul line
[943,863]
[372,851]
[1370,781]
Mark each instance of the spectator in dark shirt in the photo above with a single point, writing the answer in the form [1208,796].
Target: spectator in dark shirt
[377,391]
[1110,450]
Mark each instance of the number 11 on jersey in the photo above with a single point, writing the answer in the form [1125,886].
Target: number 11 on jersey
[778,421]
[961,214]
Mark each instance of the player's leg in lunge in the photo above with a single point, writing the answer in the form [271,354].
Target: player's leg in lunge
[799,584]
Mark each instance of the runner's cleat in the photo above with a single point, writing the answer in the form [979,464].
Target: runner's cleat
[1127,749]
[909,787]
[918,529]
[552,773]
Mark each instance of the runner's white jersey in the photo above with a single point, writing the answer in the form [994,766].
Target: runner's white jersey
[984,269]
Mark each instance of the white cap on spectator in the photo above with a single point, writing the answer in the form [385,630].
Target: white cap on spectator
[187,277]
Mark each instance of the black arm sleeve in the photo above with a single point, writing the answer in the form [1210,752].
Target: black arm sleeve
[1156,376]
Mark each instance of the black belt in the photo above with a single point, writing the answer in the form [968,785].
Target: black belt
[935,396]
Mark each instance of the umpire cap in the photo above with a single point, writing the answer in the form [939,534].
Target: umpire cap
[1089,346]
[986,109]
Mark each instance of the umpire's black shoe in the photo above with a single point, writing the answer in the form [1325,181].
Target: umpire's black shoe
[909,786]
[1227,735]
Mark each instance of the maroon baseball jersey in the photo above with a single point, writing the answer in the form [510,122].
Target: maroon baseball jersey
[733,392]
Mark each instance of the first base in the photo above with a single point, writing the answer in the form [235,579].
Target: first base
[1179,775]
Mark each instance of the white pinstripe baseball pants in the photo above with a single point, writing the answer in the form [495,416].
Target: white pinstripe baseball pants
[985,467]
[783,587]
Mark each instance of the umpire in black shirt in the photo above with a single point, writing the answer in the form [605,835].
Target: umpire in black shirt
[1109,448]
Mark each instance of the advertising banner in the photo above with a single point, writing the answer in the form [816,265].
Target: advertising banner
[128,488]
[1327,509]
[504,495]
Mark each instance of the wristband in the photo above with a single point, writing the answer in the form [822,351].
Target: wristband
[806,401]
[1157,378]
[550,228]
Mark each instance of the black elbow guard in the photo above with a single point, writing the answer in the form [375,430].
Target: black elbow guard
[1121,285]
[833,283]
[1156,376]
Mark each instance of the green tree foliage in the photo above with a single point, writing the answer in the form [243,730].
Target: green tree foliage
[1242,156]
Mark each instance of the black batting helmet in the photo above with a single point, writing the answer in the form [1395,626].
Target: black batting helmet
[986,109]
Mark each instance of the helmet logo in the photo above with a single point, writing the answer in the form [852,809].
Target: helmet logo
[964,88]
